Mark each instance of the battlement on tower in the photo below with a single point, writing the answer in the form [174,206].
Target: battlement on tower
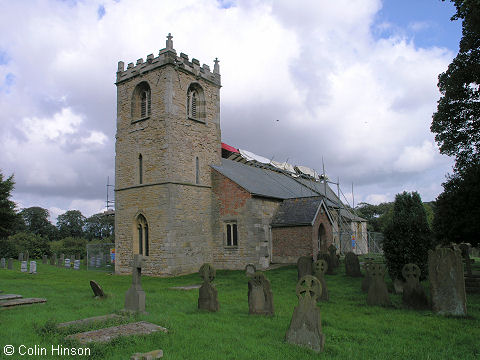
[168,55]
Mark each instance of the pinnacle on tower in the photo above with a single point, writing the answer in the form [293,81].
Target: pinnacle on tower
[216,67]
[169,42]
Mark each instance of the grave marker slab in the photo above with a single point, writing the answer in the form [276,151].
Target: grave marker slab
[447,283]
[44,259]
[306,327]
[377,293]
[110,333]
[90,320]
[155,354]
[10,264]
[20,257]
[67,263]
[135,296]
[207,294]
[33,267]
[188,287]
[326,256]
[10,297]
[332,251]
[413,292]
[352,265]
[76,265]
[304,266]
[97,289]
[23,266]
[260,296]
[25,301]
[250,269]
[367,279]
[319,269]
[2,263]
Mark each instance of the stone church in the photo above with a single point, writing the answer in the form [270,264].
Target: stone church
[183,198]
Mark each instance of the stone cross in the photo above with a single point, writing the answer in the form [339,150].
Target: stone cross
[319,269]
[377,292]
[260,296]
[352,265]
[447,282]
[304,266]
[207,294]
[413,292]
[33,267]
[306,327]
[250,269]
[2,263]
[332,250]
[10,264]
[135,296]
[330,261]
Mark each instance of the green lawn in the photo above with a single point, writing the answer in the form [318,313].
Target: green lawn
[353,330]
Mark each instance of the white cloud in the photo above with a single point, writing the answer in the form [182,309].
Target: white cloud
[416,158]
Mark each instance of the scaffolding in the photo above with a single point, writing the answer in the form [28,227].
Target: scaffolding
[101,257]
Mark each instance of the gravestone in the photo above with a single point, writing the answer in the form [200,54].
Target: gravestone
[155,354]
[135,296]
[306,327]
[76,265]
[413,292]
[67,263]
[447,283]
[304,266]
[319,269]
[2,263]
[53,259]
[260,296]
[352,265]
[10,297]
[10,264]
[377,292]
[465,249]
[332,251]
[207,294]
[250,269]
[20,257]
[44,259]
[33,267]
[367,279]
[23,266]
[25,301]
[61,260]
[398,285]
[97,290]
[27,256]
[326,256]
[90,320]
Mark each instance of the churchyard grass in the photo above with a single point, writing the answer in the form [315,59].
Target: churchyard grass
[353,330]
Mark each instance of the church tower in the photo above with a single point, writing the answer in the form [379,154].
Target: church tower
[168,135]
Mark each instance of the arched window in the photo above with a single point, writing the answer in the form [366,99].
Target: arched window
[321,237]
[141,101]
[142,242]
[195,102]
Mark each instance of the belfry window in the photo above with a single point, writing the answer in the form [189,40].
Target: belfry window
[142,241]
[195,103]
[141,102]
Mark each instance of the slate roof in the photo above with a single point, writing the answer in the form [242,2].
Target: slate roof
[295,212]
[263,182]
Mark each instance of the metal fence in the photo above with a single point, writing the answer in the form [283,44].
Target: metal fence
[101,257]
[365,243]
[375,242]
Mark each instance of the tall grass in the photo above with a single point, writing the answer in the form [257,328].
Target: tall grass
[353,330]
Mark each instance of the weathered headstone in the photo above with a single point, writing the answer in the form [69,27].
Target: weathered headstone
[377,292]
[20,257]
[33,267]
[465,249]
[367,279]
[97,290]
[352,265]
[10,297]
[332,251]
[23,266]
[319,269]
[304,266]
[326,256]
[44,259]
[2,263]
[306,327]
[250,269]
[135,296]
[61,260]
[447,283]
[10,264]
[151,355]
[413,292]
[207,294]
[260,296]
[76,265]
[25,301]
[67,263]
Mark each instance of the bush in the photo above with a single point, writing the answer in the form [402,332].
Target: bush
[407,236]
[73,245]
[21,242]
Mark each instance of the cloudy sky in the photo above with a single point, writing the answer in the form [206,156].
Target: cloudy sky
[349,81]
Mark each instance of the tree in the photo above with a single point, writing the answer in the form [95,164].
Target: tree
[377,216]
[407,237]
[457,120]
[36,221]
[457,210]
[8,217]
[70,224]
[35,244]
[99,226]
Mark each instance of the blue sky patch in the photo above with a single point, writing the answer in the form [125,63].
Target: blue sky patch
[226,4]
[4,58]
[101,11]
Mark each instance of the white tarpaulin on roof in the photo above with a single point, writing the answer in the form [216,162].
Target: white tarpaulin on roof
[284,166]
[251,156]
[307,171]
